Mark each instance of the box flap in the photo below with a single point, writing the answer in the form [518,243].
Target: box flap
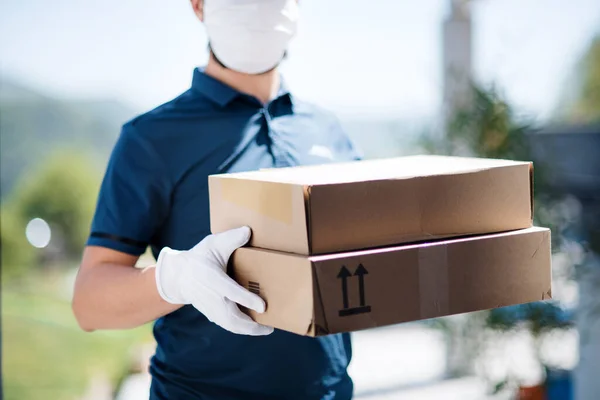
[370,170]
[284,281]
[433,207]
[361,292]
[377,287]
[274,211]
[498,199]
[341,215]
[320,326]
[336,207]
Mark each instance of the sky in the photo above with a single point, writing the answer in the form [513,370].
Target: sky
[377,57]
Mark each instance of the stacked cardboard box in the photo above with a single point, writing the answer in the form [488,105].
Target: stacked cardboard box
[350,246]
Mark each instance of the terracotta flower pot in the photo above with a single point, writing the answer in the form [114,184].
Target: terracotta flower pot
[532,393]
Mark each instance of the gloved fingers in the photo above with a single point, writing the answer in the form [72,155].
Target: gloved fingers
[235,292]
[225,243]
[241,323]
[227,315]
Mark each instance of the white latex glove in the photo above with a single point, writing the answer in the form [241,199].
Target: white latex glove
[198,277]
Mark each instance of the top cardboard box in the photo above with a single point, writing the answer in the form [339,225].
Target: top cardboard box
[364,204]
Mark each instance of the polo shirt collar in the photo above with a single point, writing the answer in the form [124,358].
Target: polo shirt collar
[223,94]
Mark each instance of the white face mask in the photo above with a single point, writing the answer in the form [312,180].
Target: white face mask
[250,36]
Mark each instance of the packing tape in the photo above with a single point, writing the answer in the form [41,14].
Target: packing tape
[433,281]
[270,199]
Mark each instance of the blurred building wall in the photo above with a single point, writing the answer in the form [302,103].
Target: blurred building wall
[457,58]
[571,154]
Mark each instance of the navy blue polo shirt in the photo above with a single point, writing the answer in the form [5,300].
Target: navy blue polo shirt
[155,193]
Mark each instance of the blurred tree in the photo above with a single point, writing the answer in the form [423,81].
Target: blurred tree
[61,190]
[488,127]
[581,103]
[32,124]
[16,254]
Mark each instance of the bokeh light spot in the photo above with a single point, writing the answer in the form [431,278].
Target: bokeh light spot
[38,233]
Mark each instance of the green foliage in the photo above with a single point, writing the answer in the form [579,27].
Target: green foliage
[16,254]
[33,125]
[586,105]
[62,190]
[486,128]
[541,317]
[44,353]
[489,128]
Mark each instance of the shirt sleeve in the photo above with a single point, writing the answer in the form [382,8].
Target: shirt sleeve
[134,196]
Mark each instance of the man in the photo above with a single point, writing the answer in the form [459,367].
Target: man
[236,116]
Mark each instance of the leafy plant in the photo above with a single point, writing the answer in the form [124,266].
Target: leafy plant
[488,127]
[61,190]
[16,254]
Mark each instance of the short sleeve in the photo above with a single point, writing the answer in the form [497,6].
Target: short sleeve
[134,196]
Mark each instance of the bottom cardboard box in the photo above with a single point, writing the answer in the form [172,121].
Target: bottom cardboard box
[343,292]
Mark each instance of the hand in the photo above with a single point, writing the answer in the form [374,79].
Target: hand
[198,277]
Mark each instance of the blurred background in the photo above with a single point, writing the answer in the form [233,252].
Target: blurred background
[515,79]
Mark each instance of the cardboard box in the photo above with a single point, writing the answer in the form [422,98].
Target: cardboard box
[318,295]
[337,207]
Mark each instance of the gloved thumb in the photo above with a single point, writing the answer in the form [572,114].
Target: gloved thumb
[227,242]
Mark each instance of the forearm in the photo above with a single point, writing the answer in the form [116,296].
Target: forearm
[112,296]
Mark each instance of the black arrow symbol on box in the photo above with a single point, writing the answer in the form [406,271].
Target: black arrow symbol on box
[344,274]
[361,271]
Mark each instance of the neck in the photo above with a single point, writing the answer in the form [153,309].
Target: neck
[264,87]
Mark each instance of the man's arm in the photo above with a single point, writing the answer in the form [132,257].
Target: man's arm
[110,293]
